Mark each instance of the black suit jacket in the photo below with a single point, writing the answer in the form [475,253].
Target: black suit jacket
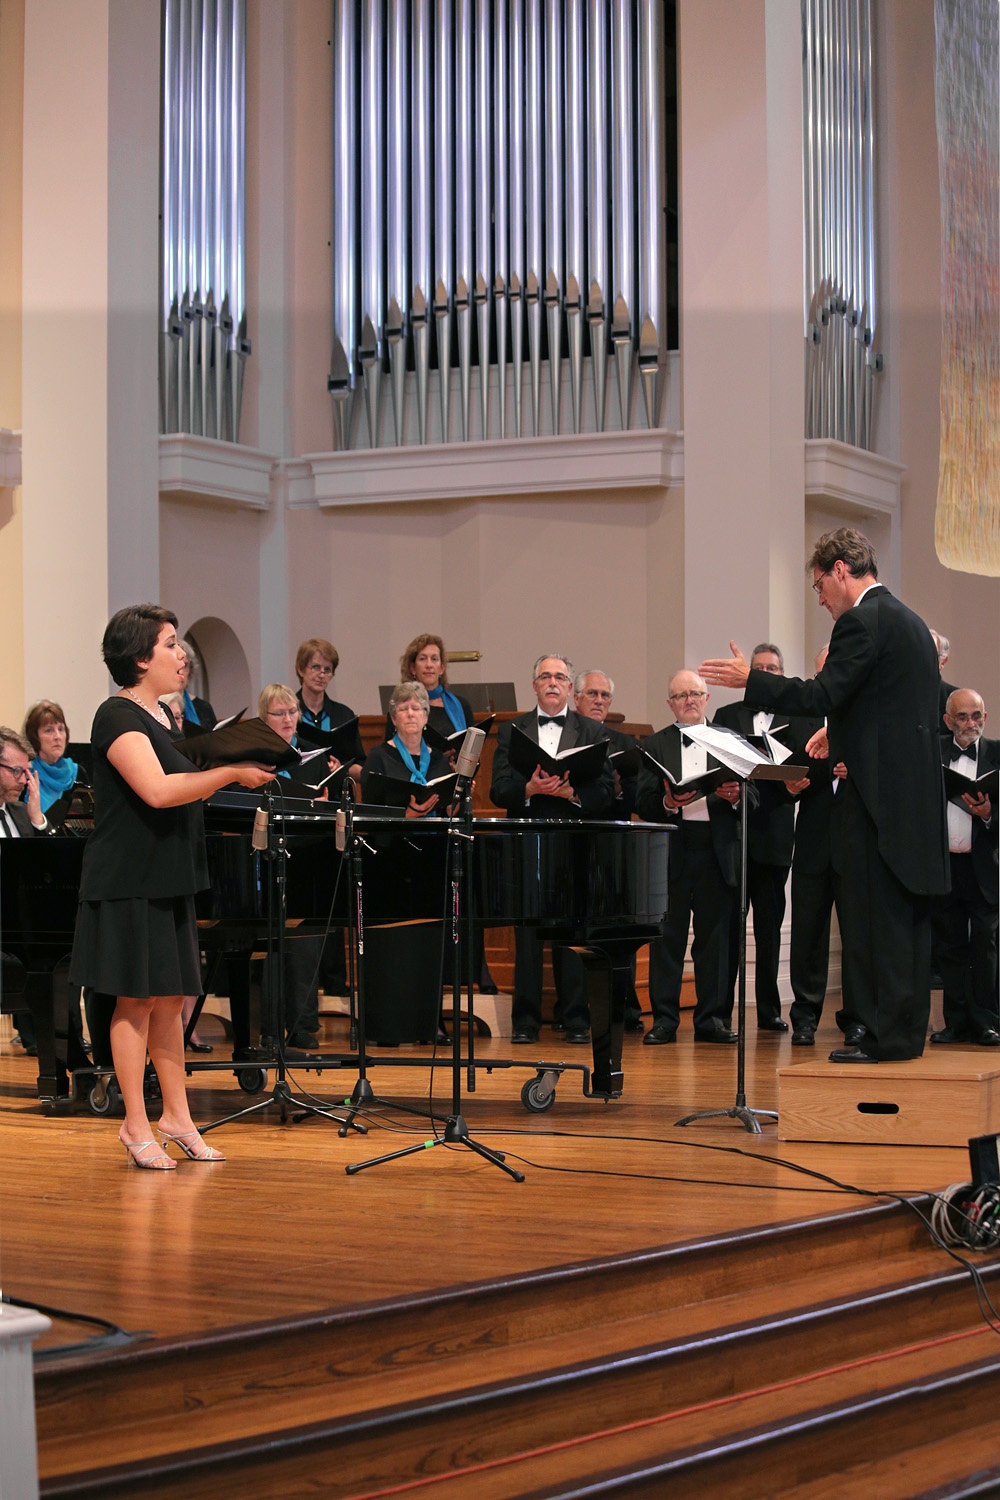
[18,813]
[596,797]
[665,746]
[771,814]
[622,807]
[879,694]
[985,860]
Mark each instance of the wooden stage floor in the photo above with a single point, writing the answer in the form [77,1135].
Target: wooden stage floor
[281,1230]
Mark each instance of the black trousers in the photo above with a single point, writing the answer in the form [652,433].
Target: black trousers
[809,957]
[696,893]
[766,895]
[965,930]
[570,977]
[886,933]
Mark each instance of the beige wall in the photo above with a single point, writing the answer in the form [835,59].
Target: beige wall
[11,540]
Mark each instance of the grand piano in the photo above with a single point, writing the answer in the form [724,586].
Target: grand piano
[599,886]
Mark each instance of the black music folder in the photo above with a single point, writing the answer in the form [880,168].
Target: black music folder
[240,740]
[389,791]
[193,731]
[339,742]
[581,762]
[709,781]
[626,762]
[957,786]
[452,743]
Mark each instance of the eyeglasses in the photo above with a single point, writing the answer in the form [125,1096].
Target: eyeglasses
[817,587]
[595,693]
[282,713]
[976,718]
[323,668]
[683,697]
[19,773]
[552,677]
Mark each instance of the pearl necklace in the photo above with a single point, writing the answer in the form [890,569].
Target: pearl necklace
[159,713]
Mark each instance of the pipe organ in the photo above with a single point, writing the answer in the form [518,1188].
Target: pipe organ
[203,319]
[499,189]
[840,250]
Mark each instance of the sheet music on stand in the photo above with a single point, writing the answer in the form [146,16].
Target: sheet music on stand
[738,755]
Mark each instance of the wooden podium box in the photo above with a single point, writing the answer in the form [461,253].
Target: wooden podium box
[941,1099]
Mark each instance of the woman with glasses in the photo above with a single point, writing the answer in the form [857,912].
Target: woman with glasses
[136,940]
[316,661]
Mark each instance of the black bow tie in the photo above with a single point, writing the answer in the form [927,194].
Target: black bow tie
[555,719]
[957,752]
[686,739]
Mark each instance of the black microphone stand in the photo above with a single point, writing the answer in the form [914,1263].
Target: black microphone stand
[456,1131]
[280,1097]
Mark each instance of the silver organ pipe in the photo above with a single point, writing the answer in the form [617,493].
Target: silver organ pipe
[203,328]
[511,162]
[839,197]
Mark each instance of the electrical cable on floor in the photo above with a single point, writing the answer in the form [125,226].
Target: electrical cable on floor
[113,1337]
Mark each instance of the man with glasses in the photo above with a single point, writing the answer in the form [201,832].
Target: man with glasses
[879,694]
[554,726]
[702,876]
[966,918]
[20,820]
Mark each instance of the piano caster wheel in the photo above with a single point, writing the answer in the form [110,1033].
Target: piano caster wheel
[538,1095]
[251,1080]
[104,1097]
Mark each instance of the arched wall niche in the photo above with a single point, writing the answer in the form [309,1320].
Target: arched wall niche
[226,681]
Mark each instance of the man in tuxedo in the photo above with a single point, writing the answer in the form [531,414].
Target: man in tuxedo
[965,919]
[20,820]
[702,873]
[878,693]
[770,839]
[554,726]
[593,693]
[942,646]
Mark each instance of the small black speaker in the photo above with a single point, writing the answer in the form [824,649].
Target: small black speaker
[983,1160]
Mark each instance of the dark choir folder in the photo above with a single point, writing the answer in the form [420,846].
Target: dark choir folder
[389,791]
[957,786]
[339,742]
[313,775]
[703,785]
[626,762]
[239,740]
[581,762]
[450,744]
[193,731]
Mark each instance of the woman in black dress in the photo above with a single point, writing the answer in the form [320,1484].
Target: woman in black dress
[406,756]
[136,934]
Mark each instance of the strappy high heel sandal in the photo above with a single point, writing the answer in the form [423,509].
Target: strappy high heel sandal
[206,1153]
[134,1152]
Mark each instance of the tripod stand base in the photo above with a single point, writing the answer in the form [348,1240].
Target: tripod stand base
[456,1133]
[282,1099]
[748,1118]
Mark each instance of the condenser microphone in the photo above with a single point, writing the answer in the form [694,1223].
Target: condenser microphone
[468,756]
[340,824]
[258,839]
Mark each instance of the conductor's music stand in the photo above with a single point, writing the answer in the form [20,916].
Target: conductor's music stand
[745,769]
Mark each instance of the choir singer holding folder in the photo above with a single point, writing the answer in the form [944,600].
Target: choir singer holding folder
[536,793]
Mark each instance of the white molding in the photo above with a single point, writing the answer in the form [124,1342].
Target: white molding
[204,468]
[529,466]
[10,459]
[852,477]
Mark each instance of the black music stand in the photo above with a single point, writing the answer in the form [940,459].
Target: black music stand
[765,770]
[456,1131]
[280,1096]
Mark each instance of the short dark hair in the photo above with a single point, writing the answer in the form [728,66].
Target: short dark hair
[315,646]
[10,736]
[130,636]
[45,711]
[846,545]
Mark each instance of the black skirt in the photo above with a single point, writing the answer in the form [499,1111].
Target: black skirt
[137,947]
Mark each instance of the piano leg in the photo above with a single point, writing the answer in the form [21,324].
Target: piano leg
[607,986]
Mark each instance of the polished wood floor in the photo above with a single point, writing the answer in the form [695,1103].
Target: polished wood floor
[281,1229]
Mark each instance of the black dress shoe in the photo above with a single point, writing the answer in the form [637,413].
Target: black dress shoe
[302,1041]
[851,1055]
[854,1034]
[948,1035]
[658,1035]
[488,989]
[778,1025]
[987,1038]
[578,1038]
[804,1036]
[524,1037]
[716,1033]
[634,1027]
[198,1047]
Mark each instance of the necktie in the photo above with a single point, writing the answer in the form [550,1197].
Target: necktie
[555,719]
[5,823]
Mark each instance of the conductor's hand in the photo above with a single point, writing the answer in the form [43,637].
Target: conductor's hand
[542,785]
[817,745]
[675,800]
[421,809]
[252,776]
[725,671]
[729,791]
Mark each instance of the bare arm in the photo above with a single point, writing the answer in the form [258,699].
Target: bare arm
[134,758]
